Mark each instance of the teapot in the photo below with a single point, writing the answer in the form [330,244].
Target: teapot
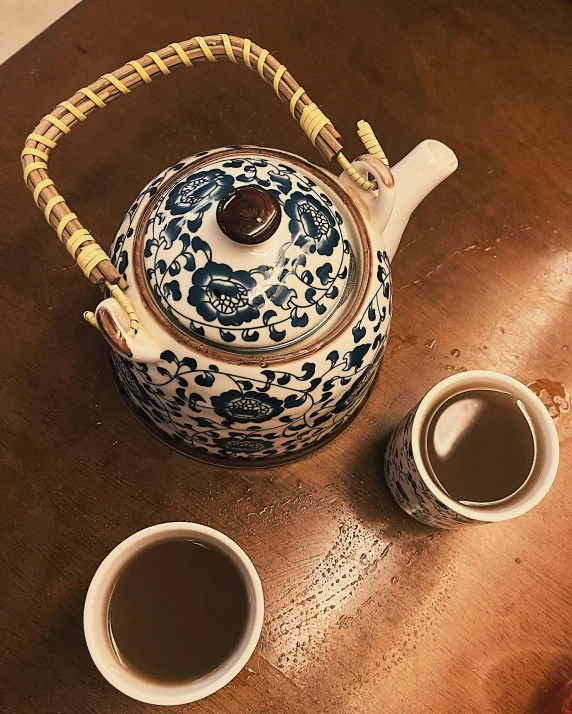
[248,292]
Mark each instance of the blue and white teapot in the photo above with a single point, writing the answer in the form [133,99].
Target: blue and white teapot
[256,296]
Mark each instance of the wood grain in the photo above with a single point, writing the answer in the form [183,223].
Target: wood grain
[367,610]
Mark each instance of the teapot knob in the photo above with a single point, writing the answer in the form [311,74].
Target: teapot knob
[248,215]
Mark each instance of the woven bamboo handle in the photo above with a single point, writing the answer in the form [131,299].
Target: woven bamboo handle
[91,258]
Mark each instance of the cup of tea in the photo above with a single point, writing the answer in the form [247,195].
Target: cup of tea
[173,613]
[480,447]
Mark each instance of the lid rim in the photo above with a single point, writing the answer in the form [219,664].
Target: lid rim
[241,296]
[280,352]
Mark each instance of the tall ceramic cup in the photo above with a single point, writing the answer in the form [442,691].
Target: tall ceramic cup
[420,495]
[96,616]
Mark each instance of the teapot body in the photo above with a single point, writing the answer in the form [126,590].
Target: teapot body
[260,406]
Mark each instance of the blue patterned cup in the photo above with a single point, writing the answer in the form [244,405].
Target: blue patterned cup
[419,494]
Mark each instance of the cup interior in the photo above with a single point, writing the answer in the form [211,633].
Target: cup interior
[544,432]
[96,626]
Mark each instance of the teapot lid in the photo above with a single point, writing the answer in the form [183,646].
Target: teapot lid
[246,249]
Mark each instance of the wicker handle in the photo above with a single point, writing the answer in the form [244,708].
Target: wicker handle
[91,258]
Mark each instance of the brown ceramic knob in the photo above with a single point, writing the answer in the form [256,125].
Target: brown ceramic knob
[248,215]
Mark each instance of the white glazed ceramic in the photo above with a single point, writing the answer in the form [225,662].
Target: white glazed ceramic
[96,616]
[259,353]
[421,497]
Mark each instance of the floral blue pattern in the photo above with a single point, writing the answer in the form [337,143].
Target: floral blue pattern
[221,294]
[239,445]
[267,305]
[246,407]
[311,227]
[198,191]
[118,255]
[407,485]
[358,387]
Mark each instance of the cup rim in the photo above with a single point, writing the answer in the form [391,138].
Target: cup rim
[512,507]
[96,623]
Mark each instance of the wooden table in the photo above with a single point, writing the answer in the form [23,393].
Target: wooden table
[367,610]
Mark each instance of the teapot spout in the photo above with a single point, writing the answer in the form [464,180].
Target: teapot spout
[415,176]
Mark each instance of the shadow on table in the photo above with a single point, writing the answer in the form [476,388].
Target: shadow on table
[54,671]
[369,494]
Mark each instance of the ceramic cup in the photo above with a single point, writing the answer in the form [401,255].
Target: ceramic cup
[420,495]
[96,617]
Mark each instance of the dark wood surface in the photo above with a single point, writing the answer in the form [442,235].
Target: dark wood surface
[367,610]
